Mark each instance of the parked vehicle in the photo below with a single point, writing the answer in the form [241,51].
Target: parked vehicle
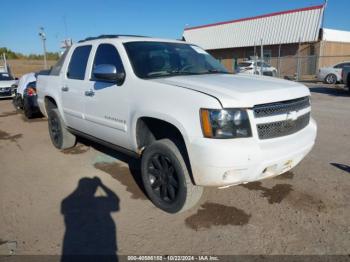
[332,74]
[8,85]
[22,85]
[26,97]
[346,77]
[255,67]
[173,105]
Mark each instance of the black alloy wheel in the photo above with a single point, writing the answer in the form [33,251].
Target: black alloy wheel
[166,178]
[55,130]
[163,178]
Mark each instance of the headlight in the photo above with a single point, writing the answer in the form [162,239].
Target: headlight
[225,123]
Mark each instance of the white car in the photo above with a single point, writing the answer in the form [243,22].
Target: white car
[173,105]
[332,74]
[26,97]
[8,85]
[254,67]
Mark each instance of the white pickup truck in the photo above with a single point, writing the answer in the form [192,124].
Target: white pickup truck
[170,103]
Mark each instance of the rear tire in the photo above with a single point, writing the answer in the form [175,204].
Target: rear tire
[61,138]
[166,178]
[331,79]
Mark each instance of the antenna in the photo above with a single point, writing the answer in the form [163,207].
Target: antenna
[65,26]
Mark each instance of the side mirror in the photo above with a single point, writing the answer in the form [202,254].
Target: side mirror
[108,73]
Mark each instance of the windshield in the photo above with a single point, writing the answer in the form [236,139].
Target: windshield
[244,64]
[5,76]
[161,59]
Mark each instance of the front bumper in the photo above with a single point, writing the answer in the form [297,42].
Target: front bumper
[222,163]
[7,92]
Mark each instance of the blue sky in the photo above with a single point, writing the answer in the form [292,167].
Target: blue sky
[161,18]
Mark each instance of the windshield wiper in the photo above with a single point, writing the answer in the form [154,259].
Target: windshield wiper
[170,73]
[215,71]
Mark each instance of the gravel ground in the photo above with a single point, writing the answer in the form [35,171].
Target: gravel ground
[44,211]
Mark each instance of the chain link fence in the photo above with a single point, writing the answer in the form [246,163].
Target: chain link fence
[303,68]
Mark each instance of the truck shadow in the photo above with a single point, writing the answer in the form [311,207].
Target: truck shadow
[133,183]
[332,91]
[122,174]
[90,230]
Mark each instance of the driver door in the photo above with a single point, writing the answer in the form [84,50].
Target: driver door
[106,107]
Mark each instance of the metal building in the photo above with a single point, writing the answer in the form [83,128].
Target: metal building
[290,39]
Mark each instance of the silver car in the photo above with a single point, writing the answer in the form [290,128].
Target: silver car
[332,74]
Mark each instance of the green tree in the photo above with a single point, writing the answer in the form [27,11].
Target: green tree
[15,55]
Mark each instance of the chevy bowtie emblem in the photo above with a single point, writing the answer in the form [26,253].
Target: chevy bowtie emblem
[292,115]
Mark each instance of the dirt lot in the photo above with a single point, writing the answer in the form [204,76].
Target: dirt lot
[306,211]
[20,67]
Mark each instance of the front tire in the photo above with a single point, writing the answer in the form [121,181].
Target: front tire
[331,79]
[166,178]
[61,138]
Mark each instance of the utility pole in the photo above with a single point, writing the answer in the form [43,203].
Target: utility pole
[43,39]
[261,57]
[298,62]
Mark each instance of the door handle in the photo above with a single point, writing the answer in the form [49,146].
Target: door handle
[65,89]
[90,93]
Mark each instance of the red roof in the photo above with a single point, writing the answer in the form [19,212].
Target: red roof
[257,17]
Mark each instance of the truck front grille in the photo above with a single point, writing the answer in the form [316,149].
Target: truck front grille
[282,128]
[266,110]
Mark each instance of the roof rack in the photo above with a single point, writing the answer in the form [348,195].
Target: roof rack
[108,36]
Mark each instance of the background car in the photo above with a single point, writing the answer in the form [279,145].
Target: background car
[254,67]
[26,97]
[8,85]
[30,101]
[332,74]
[22,85]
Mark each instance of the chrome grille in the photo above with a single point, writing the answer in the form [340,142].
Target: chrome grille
[282,128]
[5,89]
[283,107]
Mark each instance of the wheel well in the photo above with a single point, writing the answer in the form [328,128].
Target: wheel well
[150,129]
[50,103]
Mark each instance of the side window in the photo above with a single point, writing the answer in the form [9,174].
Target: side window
[77,64]
[108,54]
[339,66]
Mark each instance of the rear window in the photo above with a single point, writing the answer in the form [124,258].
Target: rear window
[78,62]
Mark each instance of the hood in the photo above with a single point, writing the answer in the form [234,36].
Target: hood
[7,83]
[240,90]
